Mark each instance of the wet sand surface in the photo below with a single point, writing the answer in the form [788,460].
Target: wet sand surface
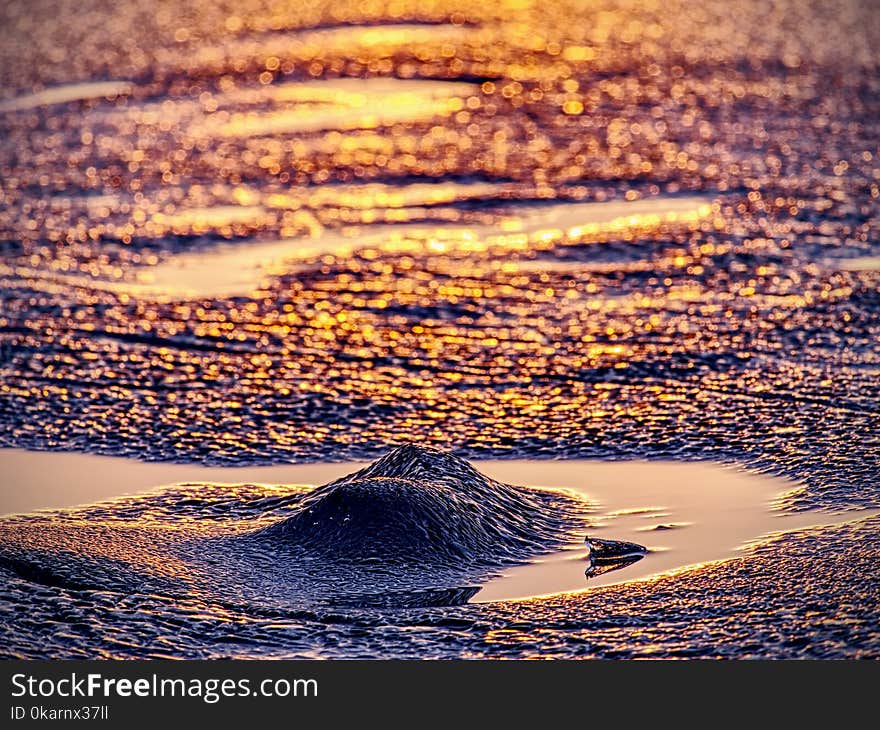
[240,235]
[159,548]
[685,514]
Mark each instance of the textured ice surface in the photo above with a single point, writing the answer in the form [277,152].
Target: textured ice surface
[742,335]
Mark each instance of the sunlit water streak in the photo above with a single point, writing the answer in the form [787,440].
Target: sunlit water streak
[65,94]
[859,263]
[344,104]
[376,41]
[239,269]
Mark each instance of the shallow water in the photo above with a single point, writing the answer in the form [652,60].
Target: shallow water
[201,555]
[651,503]
[414,530]
[241,235]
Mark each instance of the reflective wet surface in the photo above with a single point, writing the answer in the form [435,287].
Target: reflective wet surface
[243,234]
[630,512]
[417,527]
[414,530]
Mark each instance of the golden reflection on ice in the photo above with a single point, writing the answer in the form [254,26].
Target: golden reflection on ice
[200,220]
[343,104]
[239,269]
[380,196]
[377,41]
[66,93]
[242,268]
